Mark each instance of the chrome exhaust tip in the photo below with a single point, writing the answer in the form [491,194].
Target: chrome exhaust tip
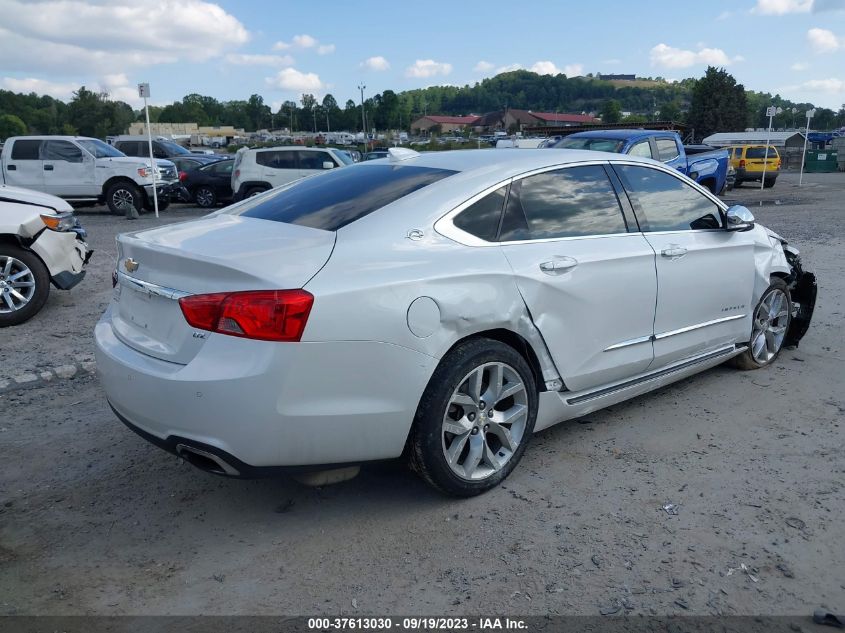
[205,460]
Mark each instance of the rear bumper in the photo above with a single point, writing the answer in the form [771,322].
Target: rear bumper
[264,405]
[746,174]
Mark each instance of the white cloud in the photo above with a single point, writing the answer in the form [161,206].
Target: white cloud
[823,41]
[545,68]
[294,80]
[508,68]
[76,36]
[304,42]
[483,67]
[244,59]
[573,70]
[799,66]
[428,68]
[119,89]
[782,7]
[829,86]
[377,63]
[39,86]
[670,57]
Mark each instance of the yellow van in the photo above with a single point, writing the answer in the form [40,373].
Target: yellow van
[748,161]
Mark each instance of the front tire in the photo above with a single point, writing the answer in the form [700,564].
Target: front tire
[771,319]
[474,419]
[121,197]
[24,285]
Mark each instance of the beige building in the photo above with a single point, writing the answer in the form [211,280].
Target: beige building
[139,128]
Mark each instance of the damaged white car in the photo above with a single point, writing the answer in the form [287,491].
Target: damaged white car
[41,243]
[443,306]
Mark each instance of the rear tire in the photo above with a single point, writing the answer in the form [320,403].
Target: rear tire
[205,197]
[770,323]
[474,419]
[24,284]
[254,191]
[122,196]
[769,183]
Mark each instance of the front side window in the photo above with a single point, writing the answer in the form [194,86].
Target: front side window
[666,203]
[573,202]
[667,149]
[98,149]
[223,167]
[481,218]
[26,150]
[313,159]
[643,148]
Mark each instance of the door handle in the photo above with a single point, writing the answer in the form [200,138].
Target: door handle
[48,168]
[11,167]
[675,251]
[559,265]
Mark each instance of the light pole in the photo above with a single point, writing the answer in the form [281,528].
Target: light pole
[144,91]
[362,87]
[810,115]
[771,111]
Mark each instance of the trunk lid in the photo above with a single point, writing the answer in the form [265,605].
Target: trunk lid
[218,253]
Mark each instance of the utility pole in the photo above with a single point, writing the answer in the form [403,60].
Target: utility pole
[810,115]
[144,91]
[771,112]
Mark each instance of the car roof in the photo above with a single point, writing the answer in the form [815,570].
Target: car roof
[620,135]
[500,164]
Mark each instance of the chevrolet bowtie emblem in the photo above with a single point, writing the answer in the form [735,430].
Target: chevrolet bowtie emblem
[131,265]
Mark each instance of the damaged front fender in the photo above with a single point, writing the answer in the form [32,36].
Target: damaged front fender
[803,290]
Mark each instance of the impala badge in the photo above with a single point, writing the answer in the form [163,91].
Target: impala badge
[131,265]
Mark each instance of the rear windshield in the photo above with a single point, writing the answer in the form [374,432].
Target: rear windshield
[338,197]
[760,152]
[597,144]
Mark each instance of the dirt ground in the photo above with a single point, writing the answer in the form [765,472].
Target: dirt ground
[93,520]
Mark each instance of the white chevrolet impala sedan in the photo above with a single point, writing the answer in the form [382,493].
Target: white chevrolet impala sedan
[443,306]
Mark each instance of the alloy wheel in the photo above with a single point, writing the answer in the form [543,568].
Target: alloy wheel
[770,323]
[205,197]
[485,421]
[17,284]
[123,199]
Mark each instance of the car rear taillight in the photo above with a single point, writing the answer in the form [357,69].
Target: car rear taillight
[183,176]
[267,315]
[237,173]
[742,163]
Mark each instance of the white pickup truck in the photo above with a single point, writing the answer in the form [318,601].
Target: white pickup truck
[85,170]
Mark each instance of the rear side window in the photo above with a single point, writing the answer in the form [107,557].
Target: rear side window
[760,152]
[61,150]
[481,218]
[667,149]
[338,197]
[26,150]
[277,160]
[643,148]
[573,202]
[666,203]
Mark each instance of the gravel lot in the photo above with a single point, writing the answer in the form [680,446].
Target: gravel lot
[93,520]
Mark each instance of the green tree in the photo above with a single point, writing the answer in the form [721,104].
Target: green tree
[670,111]
[611,111]
[718,104]
[11,125]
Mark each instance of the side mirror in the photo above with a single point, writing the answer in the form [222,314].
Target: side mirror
[739,218]
[327,164]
